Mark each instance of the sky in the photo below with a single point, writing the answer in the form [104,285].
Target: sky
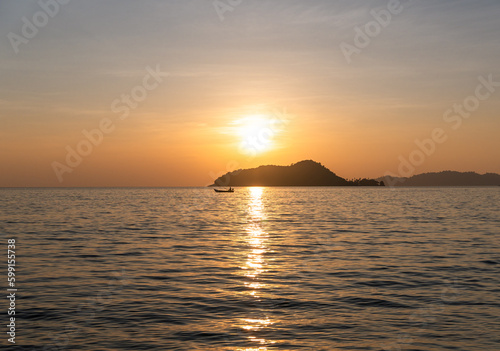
[178,92]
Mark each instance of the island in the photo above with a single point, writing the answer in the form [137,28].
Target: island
[445,178]
[303,173]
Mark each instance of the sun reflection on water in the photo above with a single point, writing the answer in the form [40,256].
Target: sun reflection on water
[255,265]
[256,237]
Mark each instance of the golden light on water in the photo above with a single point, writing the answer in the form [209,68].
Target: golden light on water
[255,207]
[256,237]
[255,264]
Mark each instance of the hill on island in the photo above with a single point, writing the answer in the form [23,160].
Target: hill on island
[304,173]
[446,178]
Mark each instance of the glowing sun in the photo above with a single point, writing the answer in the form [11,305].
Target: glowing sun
[256,133]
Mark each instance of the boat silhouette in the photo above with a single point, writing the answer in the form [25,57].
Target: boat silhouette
[230,190]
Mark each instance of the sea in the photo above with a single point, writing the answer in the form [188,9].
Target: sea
[326,268]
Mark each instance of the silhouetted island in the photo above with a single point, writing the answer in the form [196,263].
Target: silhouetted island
[446,178]
[304,173]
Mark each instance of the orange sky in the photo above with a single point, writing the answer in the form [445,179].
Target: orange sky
[199,87]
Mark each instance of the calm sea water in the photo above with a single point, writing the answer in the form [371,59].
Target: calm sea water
[260,269]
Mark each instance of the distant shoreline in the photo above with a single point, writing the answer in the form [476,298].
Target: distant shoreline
[253,186]
[311,173]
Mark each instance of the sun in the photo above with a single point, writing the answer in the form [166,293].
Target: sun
[256,133]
